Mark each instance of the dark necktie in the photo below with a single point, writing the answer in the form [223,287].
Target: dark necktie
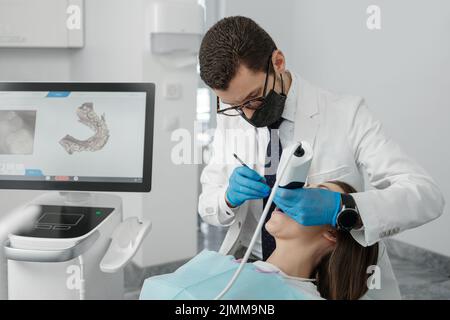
[273,155]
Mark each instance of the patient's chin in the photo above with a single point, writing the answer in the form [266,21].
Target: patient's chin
[281,226]
[277,223]
[271,229]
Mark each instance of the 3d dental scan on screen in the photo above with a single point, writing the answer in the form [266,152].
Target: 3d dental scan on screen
[58,136]
[224,159]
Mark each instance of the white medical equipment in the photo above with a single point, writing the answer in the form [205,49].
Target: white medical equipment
[176,27]
[77,245]
[291,173]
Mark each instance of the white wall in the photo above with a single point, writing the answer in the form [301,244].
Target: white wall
[117,49]
[276,17]
[402,70]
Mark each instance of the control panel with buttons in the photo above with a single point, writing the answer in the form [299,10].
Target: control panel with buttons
[66,221]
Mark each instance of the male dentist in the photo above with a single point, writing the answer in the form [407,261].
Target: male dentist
[275,108]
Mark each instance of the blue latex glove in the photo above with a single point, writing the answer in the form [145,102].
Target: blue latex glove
[309,207]
[245,184]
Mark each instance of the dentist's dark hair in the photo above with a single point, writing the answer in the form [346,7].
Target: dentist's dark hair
[342,274]
[229,43]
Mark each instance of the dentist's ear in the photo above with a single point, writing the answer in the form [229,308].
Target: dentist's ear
[279,61]
[330,234]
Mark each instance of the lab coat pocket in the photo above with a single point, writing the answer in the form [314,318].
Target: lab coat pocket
[329,175]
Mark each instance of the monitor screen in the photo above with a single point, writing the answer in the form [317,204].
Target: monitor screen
[76,136]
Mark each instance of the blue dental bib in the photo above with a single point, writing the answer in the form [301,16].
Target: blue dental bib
[207,274]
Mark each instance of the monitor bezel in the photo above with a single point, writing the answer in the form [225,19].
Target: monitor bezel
[144,186]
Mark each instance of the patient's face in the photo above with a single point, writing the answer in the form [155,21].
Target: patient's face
[281,226]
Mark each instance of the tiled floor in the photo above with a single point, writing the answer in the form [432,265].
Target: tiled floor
[419,281]
[417,277]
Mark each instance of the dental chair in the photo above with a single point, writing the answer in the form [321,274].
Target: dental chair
[232,244]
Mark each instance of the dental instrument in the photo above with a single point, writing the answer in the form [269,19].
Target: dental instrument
[239,159]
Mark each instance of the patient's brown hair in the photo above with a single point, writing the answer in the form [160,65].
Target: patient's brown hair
[342,274]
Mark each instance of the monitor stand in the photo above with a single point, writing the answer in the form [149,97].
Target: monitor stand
[76,198]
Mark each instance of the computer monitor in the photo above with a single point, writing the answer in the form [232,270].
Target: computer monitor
[76,136]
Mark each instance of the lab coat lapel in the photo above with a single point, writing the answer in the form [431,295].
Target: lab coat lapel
[307,120]
[262,141]
[305,126]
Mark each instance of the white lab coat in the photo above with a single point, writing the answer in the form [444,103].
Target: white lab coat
[346,139]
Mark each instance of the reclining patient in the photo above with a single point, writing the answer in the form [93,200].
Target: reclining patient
[317,262]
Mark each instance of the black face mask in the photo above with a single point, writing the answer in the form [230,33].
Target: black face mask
[271,110]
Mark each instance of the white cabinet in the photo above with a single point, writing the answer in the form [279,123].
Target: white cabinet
[41,24]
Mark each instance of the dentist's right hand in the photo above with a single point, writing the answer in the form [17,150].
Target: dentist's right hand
[245,184]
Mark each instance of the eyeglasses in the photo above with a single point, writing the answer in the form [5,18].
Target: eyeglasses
[252,104]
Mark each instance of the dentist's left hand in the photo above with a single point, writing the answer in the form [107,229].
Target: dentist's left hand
[308,206]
